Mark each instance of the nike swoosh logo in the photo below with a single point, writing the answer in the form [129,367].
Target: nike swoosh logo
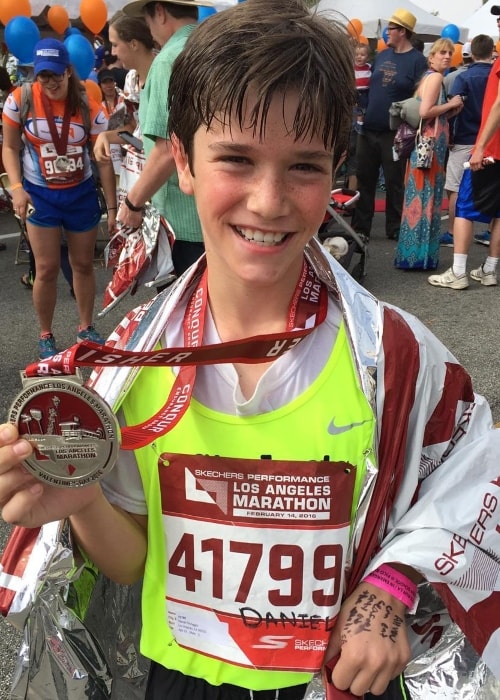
[338,429]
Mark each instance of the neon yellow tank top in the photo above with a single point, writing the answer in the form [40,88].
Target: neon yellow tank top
[331,420]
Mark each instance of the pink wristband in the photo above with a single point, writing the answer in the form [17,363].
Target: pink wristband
[395,583]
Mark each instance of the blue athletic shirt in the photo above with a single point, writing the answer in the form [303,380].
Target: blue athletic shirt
[394,78]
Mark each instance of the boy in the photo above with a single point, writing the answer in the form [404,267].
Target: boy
[362,75]
[275,509]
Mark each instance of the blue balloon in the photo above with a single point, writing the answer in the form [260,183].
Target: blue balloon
[204,12]
[385,35]
[71,30]
[451,31]
[81,54]
[21,35]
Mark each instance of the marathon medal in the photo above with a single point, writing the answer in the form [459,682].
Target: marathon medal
[75,434]
[62,164]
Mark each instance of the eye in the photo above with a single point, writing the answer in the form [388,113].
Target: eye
[243,160]
[308,167]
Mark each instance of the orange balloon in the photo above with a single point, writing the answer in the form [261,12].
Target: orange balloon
[363,40]
[456,59]
[93,90]
[14,8]
[94,14]
[497,47]
[58,18]
[381,45]
[355,27]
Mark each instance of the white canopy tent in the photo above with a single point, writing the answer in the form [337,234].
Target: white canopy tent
[482,21]
[73,6]
[374,16]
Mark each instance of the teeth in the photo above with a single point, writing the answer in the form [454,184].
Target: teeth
[264,238]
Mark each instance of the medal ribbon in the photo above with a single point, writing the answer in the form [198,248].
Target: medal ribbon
[60,141]
[307,310]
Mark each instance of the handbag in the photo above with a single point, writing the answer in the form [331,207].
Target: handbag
[425,145]
[405,111]
[404,140]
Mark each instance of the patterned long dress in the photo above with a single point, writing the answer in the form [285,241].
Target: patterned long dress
[418,244]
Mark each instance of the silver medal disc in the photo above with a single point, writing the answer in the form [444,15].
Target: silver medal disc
[75,434]
[62,164]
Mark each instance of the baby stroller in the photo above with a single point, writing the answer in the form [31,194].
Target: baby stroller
[339,238]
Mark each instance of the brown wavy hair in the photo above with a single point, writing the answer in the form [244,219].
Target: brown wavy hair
[272,47]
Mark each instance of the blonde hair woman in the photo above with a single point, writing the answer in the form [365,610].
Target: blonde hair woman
[418,246]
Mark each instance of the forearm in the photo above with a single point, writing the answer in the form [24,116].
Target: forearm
[12,164]
[108,181]
[159,166]
[113,539]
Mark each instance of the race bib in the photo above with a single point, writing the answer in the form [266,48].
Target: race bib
[132,166]
[68,168]
[255,553]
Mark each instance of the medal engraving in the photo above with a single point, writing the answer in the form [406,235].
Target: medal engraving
[62,164]
[74,432]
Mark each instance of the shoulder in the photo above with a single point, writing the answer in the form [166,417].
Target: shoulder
[161,66]
[94,114]
[433,78]
[11,113]
[15,95]
[495,70]
[418,61]
[92,105]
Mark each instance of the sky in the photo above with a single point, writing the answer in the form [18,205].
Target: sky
[453,10]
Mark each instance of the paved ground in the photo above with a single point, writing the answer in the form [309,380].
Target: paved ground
[467,321]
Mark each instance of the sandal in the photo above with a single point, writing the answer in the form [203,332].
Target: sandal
[26,280]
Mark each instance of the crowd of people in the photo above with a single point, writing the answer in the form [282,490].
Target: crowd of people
[413,195]
[452,115]
[322,451]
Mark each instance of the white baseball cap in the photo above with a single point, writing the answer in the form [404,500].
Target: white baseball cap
[467,50]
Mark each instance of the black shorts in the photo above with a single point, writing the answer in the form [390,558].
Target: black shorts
[172,685]
[485,190]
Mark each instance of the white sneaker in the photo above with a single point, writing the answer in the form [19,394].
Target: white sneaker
[488,279]
[449,279]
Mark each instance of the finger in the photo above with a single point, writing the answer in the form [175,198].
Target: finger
[370,676]
[12,448]
[17,511]
[13,481]
[8,434]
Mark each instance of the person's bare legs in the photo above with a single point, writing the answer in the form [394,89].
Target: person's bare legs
[452,203]
[46,246]
[81,256]
[495,238]
[463,230]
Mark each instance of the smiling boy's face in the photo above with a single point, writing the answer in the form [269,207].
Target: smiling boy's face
[260,200]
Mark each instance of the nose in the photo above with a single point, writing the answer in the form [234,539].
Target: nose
[269,197]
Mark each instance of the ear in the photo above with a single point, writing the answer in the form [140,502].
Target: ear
[182,164]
